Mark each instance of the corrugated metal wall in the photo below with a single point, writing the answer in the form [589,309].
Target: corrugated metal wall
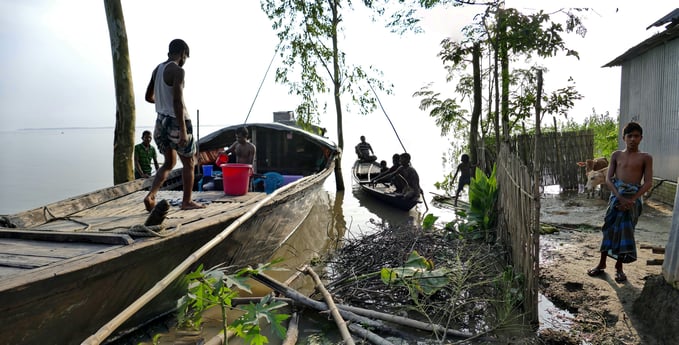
[650,95]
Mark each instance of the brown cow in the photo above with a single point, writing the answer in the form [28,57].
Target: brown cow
[594,179]
[594,164]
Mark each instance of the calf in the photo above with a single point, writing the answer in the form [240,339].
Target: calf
[593,164]
[594,179]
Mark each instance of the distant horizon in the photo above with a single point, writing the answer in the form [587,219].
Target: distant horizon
[87,127]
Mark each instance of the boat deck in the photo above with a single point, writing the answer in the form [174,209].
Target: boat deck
[111,224]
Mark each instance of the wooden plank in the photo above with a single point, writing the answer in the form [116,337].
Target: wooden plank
[62,250]
[6,271]
[69,206]
[25,261]
[88,237]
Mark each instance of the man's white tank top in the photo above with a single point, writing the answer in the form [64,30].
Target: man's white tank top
[163,93]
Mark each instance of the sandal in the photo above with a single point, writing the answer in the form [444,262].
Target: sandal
[620,276]
[596,271]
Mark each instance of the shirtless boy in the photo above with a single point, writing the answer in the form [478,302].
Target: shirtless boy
[627,169]
[243,149]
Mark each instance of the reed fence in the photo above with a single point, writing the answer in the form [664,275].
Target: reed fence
[517,230]
[557,157]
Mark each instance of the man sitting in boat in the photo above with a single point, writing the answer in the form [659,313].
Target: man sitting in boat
[243,150]
[365,151]
[405,178]
[396,162]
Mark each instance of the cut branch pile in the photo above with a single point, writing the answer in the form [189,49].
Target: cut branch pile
[360,301]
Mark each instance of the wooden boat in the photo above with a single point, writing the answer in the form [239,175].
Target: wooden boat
[69,267]
[365,172]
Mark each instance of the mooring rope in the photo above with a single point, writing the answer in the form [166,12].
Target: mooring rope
[262,83]
[139,230]
[397,137]
[46,211]
[385,114]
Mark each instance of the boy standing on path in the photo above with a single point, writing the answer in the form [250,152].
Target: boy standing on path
[625,173]
[173,128]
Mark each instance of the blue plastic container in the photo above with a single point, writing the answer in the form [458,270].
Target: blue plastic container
[207,170]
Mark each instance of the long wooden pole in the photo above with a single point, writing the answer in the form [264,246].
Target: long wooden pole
[532,296]
[112,325]
[341,324]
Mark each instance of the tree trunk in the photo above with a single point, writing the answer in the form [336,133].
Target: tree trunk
[123,139]
[478,99]
[504,70]
[339,180]
[496,118]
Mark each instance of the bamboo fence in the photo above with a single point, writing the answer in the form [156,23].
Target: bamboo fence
[517,230]
[557,157]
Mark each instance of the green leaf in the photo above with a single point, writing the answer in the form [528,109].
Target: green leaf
[428,222]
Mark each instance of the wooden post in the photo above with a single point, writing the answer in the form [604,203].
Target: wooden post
[558,155]
[670,268]
[536,195]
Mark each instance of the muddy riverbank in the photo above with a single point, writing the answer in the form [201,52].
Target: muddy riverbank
[602,311]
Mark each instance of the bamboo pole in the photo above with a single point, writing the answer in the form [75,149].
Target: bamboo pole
[293,331]
[404,321]
[317,305]
[366,334]
[111,326]
[341,324]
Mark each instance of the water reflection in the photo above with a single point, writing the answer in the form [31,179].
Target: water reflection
[321,232]
[386,213]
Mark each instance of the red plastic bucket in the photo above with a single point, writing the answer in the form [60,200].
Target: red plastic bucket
[236,178]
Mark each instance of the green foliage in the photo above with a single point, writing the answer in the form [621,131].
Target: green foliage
[418,275]
[309,32]
[476,222]
[499,31]
[464,227]
[429,221]
[606,132]
[214,287]
[509,284]
[482,197]
[247,326]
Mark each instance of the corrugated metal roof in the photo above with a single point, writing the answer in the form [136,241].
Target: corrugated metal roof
[659,39]
[671,18]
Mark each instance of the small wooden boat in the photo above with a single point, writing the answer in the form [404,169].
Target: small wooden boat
[365,172]
[69,267]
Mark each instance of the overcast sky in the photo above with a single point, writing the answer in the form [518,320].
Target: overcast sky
[58,72]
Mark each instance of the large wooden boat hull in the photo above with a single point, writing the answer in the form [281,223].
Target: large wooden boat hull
[69,267]
[365,172]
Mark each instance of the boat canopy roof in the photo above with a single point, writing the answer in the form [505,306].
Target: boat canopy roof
[225,137]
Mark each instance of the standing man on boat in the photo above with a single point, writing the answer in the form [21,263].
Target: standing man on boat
[173,130]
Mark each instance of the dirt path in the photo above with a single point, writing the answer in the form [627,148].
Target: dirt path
[602,308]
